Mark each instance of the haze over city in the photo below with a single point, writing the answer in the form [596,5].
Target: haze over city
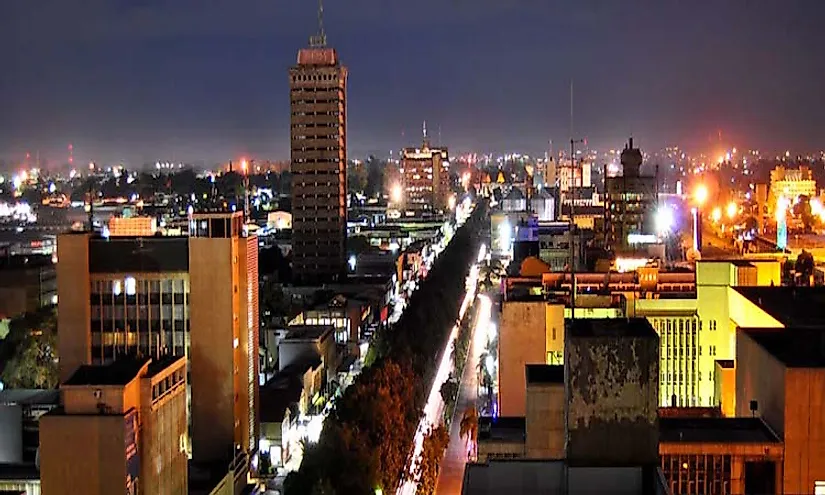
[442,247]
[137,81]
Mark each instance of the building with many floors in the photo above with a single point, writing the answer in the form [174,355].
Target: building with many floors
[194,296]
[630,201]
[318,136]
[425,175]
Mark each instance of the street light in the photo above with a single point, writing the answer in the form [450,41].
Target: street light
[700,195]
[732,210]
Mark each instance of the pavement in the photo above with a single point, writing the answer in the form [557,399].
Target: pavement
[451,476]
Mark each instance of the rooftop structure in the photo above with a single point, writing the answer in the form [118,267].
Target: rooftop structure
[516,477]
[715,430]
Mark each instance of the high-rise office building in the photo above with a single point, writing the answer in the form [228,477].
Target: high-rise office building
[195,296]
[129,416]
[425,173]
[318,131]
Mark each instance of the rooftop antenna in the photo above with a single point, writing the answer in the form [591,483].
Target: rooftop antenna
[319,40]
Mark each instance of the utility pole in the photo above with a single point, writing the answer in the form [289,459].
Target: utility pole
[573,143]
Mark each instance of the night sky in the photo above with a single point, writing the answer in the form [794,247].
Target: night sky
[190,80]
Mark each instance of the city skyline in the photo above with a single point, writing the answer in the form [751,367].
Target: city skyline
[141,81]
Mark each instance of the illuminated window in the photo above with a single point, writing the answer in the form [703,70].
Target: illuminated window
[819,487]
[131,286]
[117,288]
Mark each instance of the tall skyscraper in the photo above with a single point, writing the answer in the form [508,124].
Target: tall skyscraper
[194,296]
[318,131]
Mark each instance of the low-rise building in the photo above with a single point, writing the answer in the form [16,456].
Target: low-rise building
[130,416]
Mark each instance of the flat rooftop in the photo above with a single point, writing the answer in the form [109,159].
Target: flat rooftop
[119,372]
[502,429]
[545,373]
[518,476]
[155,254]
[794,347]
[715,430]
[19,472]
[307,332]
[611,327]
[29,397]
[161,363]
[793,306]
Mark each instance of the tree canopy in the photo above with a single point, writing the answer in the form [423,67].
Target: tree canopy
[367,439]
[29,351]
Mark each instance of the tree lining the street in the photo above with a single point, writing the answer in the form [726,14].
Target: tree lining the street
[367,438]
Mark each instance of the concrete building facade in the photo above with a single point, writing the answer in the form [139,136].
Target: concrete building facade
[318,133]
[780,377]
[130,418]
[630,201]
[612,396]
[425,175]
[193,296]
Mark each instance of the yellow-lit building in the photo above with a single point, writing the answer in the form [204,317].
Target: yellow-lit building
[122,426]
[194,296]
[696,318]
[792,183]
[132,226]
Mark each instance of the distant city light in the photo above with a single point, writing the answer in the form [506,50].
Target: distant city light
[396,194]
[351,262]
[716,214]
[451,202]
[624,265]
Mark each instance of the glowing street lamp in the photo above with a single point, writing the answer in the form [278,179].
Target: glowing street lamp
[732,210]
[700,195]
